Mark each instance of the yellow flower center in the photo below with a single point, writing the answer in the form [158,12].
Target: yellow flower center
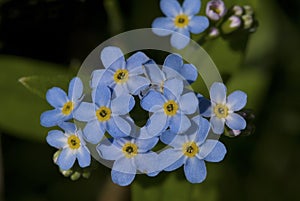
[170,107]
[181,21]
[221,111]
[74,142]
[68,108]
[190,149]
[121,76]
[130,150]
[103,113]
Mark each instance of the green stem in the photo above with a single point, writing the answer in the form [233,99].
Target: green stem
[115,19]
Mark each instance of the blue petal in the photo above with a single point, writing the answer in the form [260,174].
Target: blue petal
[180,39]
[145,145]
[191,7]
[122,105]
[136,60]
[176,165]
[75,89]
[107,78]
[154,73]
[179,123]
[188,103]
[102,96]
[204,106]
[235,122]
[163,26]
[174,61]
[94,131]
[189,72]
[66,159]
[56,139]
[52,118]
[180,139]
[218,93]
[236,100]
[151,100]
[110,54]
[170,8]
[122,179]
[217,125]
[108,150]
[137,83]
[84,157]
[147,163]
[168,136]
[217,153]
[195,170]
[168,157]
[96,78]
[173,88]
[157,123]
[198,24]
[121,124]
[56,97]
[124,165]
[68,127]
[85,112]
[203,130]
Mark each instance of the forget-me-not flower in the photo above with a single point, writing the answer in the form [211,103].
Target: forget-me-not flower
[64,105]
[71,144]
[106,114]
[130,155]
[123,76]
[180,21]
[191,150]
[223,109]
[170,108]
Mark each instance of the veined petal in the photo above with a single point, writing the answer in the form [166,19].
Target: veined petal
[122,179]
[110,54]
[188,103]
[189,72]
[236,100]
[66,159]
[191,7]
[203,130]
[170,8]
[235,122]
[173,88]
[124,165]
[163,26]
[147,163]
[180,38]
[154,73]
[145,145]
[137,83]
[94,131]
[195,170]
[153,98]
[177,164]
[168,136]
[168,157]
[96,78]
[83,156]
[157,123]
[174,61]
[56,97]
[68,127]
[85,112]
[52,118]
[136,60]
[218,93]
[179,123]
[217,124]
[122,104]
[102,96]
[121,124]
[217,153]
[57,139]
[108,150]
[198,24]
[204,106]
[75,89]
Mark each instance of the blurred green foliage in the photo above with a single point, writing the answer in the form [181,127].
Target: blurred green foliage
[264,64]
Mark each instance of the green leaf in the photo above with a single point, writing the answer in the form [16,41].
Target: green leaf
[20,109]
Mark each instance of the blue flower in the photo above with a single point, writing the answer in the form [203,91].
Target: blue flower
[222,109]
[130,155]
[71,144]
[169,109]
[105,114]
[120,75]
[191,150]
[180,21]
[64,105]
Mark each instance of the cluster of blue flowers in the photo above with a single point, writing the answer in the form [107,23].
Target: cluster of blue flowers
[178,117]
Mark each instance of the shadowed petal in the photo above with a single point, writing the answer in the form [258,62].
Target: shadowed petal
[136,60]
[168,157]
[174,61]
[52,118]
[152,99]
[137,83]
[96,78]
[179,123]
[217,153]
[122,179]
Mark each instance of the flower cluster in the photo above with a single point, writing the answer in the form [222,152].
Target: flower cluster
[178,117]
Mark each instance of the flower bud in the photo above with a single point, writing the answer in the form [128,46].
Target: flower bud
[237,10]
[213,32]
[75,176]
[232,24]
[215,9]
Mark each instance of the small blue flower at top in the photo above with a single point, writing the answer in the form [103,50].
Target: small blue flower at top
[222,110]
[64,105]
[131,156]
[180,21]
[71,144]
[120,75]
[170,108]
[106,114]
[191,150]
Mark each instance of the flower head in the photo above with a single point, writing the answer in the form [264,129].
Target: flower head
[215,9]
[130,155]
[64,105]
[71,144]
[223,109]
[180,21]
[191,150]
